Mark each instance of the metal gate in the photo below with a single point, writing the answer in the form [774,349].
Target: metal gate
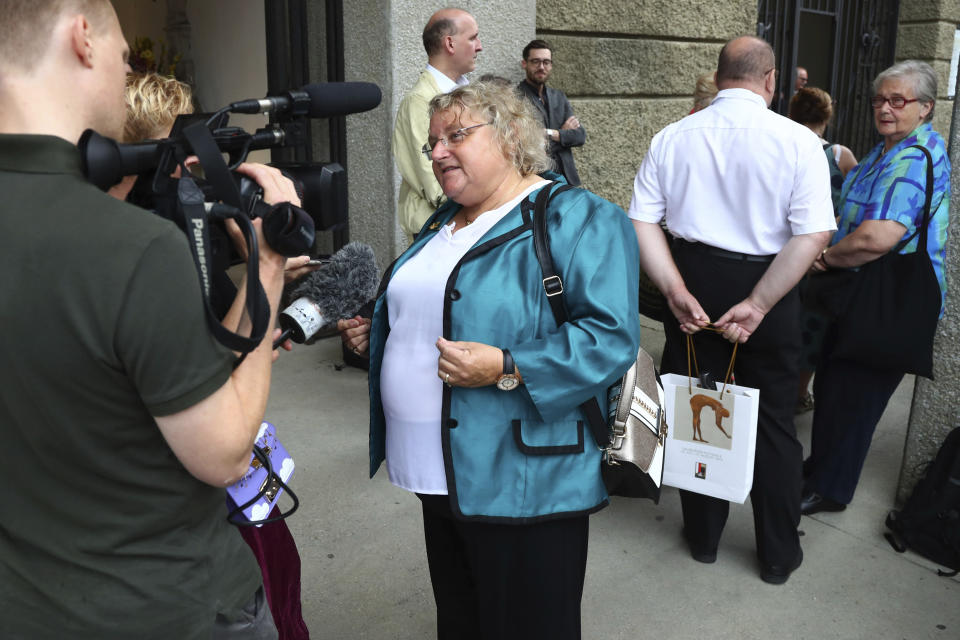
[860,42]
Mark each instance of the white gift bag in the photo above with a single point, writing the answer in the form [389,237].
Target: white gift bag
[711,439]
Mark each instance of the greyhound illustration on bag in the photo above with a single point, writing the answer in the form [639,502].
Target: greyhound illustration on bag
[697,403]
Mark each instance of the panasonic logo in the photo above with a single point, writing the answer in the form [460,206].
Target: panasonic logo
[201,254]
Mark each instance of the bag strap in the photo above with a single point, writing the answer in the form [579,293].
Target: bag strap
[553,288]
[552,283]
[925,221]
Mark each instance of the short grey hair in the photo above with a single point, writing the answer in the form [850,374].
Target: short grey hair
[517,130]
[921,77]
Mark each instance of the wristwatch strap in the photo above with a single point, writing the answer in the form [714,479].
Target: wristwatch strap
[508,365]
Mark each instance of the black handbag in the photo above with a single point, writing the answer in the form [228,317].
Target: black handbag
[889,315]
[651,302]
[632,437]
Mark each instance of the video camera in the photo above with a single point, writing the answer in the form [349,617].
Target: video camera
[322,186]
[217,192]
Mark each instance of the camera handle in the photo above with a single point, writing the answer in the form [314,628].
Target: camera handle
[258,308]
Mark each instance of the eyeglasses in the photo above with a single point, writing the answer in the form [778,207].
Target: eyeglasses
[451,140]
[896,102]
[536,62]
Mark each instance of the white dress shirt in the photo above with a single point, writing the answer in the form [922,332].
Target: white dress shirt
[411,390]
[735,176]
[444,82]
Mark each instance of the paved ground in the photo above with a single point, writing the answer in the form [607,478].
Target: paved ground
[365,573]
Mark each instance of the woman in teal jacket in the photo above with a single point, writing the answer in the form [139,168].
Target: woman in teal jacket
[483,423]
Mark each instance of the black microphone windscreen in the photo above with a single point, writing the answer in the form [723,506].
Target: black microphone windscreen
[331,99]
[344,284]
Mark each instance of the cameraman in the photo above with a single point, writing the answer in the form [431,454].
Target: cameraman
[121,417]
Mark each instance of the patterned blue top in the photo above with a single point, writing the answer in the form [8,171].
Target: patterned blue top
[892,186]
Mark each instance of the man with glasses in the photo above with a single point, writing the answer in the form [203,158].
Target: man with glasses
[745,194]
[562,127]
[452,42]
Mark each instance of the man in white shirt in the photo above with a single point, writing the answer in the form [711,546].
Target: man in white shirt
[452,41]
[746,196]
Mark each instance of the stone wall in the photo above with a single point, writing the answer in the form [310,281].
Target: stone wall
[383,45]
[629,70]
[926,33]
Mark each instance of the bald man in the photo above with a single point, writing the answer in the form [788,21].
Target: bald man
[452,42]
[746,197]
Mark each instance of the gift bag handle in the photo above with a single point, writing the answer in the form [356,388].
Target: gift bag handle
[691,353]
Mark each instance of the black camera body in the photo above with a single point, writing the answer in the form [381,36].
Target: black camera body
[322,187]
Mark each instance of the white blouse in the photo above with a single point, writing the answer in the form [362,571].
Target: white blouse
[410,389]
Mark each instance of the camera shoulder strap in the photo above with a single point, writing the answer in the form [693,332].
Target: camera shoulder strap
[214,168]
[198,237]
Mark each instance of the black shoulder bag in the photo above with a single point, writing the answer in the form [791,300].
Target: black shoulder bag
[893,306]
[632,440]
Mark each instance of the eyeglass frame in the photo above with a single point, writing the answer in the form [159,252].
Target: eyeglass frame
[883,101]
[427,150]
[538,62]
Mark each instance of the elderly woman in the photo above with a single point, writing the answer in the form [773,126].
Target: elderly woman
[475,390]
[881,205]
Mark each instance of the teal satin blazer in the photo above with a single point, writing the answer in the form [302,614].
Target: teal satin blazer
[529,454]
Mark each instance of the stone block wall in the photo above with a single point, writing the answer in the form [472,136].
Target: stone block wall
[926,33]
[629,70]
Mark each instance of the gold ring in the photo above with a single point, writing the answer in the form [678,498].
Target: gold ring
[355,351]
[446,379]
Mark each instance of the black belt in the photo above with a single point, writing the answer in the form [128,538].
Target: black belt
[699,247]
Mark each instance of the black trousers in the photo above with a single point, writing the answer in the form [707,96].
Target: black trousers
[505,581]
[768,362]
[850,399]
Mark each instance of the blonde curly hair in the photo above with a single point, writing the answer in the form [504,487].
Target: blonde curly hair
[153,102]
[517,130]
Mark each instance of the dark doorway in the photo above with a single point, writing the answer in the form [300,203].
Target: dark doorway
[843,44]
[292,29]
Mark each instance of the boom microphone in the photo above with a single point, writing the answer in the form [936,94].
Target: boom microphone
[322,100]
[336,291]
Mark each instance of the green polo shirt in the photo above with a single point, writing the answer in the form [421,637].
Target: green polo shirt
[103,533]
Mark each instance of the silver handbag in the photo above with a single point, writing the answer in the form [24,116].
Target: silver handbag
[633,460]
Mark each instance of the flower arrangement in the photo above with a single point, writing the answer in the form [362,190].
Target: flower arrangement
[143,58]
